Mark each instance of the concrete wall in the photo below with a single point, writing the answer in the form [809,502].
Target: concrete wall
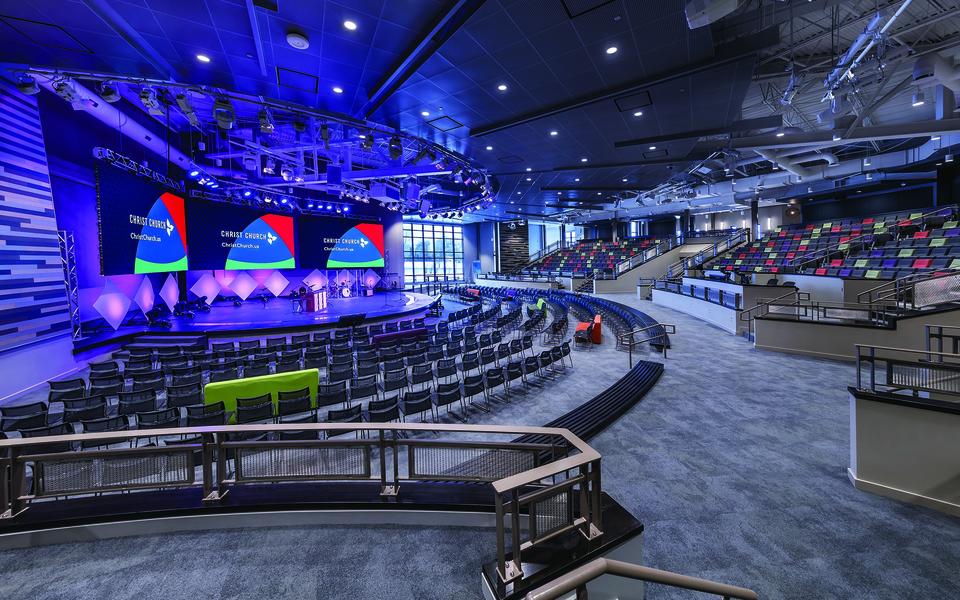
[721,316]
[827,340]
[906,453]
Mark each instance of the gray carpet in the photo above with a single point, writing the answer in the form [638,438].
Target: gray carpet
[735,462]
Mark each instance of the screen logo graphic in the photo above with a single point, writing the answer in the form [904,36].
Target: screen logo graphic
[266,243]
[360,247]
[162,239]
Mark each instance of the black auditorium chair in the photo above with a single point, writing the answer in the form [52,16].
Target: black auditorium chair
[330,394]
[137,401]
[420,374]
[33,421]
[383,411]
[89,412]
[291,405]
[66,388]
[447,368]
[40,432]
[120,423]
[394,381]
[184,395]
[364,387]
[494,377]
[352,414]
[473,386]
[447,394]
[421,402]
[514,371]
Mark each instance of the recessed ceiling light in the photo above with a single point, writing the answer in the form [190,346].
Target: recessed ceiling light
[624,180]
[529,169]
[518,193]
[502,87]
[554,132]
[529,179]
[612,50]
[779,134]
[652,148]
[577,179]
[489,147]
[350,25]
[203,58]
[337,89]
[599,194]
[639,113]
[425,113]
[584,159]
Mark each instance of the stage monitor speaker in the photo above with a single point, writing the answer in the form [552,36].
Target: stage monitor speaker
[351,320]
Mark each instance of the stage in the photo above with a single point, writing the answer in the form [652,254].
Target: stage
[276,316]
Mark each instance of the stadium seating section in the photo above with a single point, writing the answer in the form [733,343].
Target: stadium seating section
[588,255]
[879,247]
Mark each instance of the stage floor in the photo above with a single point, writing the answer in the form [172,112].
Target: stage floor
[276,315]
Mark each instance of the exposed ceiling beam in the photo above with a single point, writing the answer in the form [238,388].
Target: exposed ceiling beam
[770,122]
[255,32]
[597,188]
[131,36]
[442,30]
[727,54]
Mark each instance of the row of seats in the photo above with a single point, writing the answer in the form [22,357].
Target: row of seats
[877,247]
[589,255]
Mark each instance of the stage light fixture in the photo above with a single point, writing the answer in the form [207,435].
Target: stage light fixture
[148,97]
[269,166]
[109,92]
[223,112]
[349,25]
[28,85]
[193,173]
[396,147]
[346,209]
[267,124]
[367,143]
[329,207]
[283,200]
[286,172]
[186,107]
[251,162]
[267,199]
[339,210]
[247,193]
[918,99]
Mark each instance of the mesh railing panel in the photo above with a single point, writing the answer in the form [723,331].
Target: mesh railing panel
[924,377]
[479,464]
[268,464]
[937,291]
[84,475]
[552,514]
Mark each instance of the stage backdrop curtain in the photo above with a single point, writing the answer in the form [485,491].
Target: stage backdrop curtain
[250,387]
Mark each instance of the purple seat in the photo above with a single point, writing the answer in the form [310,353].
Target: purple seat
[952,232]
[890,263]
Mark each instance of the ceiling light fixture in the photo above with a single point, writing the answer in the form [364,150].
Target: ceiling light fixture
[502,87]
[554,132]
[639,113]
[203,58]
[350,25]
[425,113]
[529,169]
[584,159]
[337,89]
[652,148]
[612,50]
[489,148]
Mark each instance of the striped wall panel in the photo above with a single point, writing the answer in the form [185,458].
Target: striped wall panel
[33,303]
[514,246]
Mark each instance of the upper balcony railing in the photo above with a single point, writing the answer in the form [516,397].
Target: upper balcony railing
[554,485]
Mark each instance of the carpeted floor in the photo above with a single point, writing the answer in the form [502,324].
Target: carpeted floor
[735,462]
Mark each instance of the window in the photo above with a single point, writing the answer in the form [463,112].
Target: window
[432,252]
[572,235]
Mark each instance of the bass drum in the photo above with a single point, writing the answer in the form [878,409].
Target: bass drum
[344,292]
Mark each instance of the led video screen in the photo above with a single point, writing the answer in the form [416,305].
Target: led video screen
[225,236]
[330,243]
[142,225]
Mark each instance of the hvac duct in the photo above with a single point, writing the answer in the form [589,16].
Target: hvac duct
[933,68]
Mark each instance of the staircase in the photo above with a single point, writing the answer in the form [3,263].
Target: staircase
[589,285]
[682,266]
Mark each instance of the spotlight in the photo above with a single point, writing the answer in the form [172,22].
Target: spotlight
[350,25]
[194,173]
[267,124]
[187,109]
[109,92]
[918,99]
[28,85]
[396,147]
[367,143]
[269,166]
[286,172]
[346,209]
[502,87]
[251,162]
[329,207]
[339,210]
[223,112]
[283,201]
[247,193]
[148,96]
[203,58]
[611,50]
[310,205]
[337,89]
[267,199]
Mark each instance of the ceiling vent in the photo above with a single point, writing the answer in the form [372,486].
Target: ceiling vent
[633,101]
[297,80]
[445,123]
[577,8]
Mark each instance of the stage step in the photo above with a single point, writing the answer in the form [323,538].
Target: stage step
[155,341]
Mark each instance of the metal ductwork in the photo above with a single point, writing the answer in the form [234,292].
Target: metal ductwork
[839,107]
[933,68]
[701,13]
[830,158]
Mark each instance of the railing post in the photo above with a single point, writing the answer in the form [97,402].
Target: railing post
[206,452]
[18,476]
[873,368]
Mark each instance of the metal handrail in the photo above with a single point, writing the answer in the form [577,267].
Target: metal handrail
[541,254]
[929,372]
[899,290]
[660,249]
[512,493]
[629,340]
[580,577]
[681,266]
